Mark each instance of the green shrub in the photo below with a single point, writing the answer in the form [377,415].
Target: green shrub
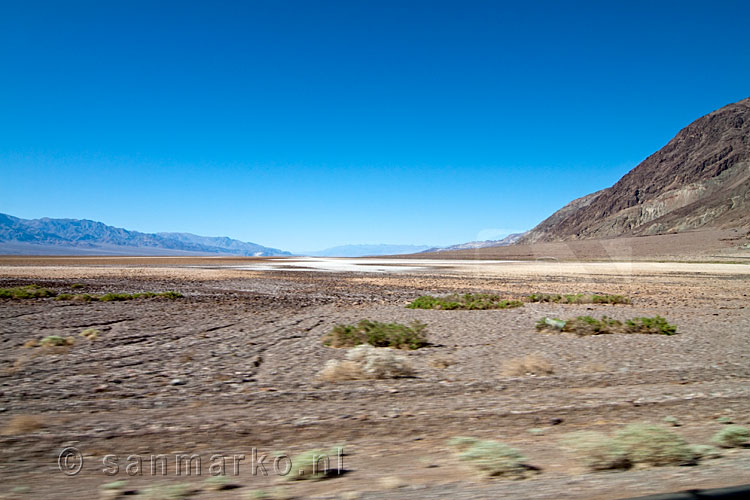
[732,436]
[491,457]
[595,450]
[26,292]
[704,451]
[586,325]
[111,297]
[657,325]
[56,341]
[577,298]
[635,444]
[654,445]
[378,334]
[312,465]
[464,301]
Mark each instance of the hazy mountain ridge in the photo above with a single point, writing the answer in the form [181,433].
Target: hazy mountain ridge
[33,236]
[699,180]
[508,240]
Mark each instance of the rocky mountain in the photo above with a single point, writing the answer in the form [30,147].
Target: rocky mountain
[367,250]
[473,245]
[699,180]
[73,236]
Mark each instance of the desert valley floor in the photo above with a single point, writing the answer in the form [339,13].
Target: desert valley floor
[233,366]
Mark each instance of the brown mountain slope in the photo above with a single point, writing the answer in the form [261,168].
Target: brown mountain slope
[700,179]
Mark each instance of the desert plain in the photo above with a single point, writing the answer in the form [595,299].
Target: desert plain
[233,366]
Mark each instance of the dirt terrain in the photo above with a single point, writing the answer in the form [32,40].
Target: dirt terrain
[232,366]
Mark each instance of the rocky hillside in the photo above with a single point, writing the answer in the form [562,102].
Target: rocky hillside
[699,180]
[73,236]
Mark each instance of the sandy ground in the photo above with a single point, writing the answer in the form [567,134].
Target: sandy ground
[233,365]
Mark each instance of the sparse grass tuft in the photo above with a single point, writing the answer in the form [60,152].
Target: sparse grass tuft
[378,334]
[367,362]
[464,301]
[577,298]
[26,292]
[530,364]
[732,436]
[491,457]
[586,325]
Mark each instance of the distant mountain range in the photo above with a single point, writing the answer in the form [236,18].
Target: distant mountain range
[85,237]
[508,240]
[367,250]
[699,180]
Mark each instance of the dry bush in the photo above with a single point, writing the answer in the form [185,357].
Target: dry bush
[90,334]
[732,436]
[531,364]
[654,445]
[595,450]
[442,363]
[22,424]
[593,367]
[491,458]
[367,362]
[635,444]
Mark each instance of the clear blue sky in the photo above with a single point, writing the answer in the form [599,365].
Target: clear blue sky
[303,125]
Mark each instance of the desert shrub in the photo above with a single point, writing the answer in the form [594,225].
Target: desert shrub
[112,297]
[587,325]
[673,421]
[169,492]
[596,450]
[635,444]
[90,333]
[378,334]
[732,436]
[217,483]
[312,465]
[26,292]
[367,362]
[464,301]
[76,286]
[577,298]
[654,445]
[657,325]
[704,451]
[56,341]
[22,424]
[530,364]
[491,457]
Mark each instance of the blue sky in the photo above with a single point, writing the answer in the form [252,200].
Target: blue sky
[304,125]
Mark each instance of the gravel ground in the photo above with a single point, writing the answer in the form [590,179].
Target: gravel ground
[233,366]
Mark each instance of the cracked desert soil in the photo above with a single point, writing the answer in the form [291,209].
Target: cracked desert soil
[232,367]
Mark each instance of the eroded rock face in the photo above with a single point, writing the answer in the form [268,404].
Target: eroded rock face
[700,179]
